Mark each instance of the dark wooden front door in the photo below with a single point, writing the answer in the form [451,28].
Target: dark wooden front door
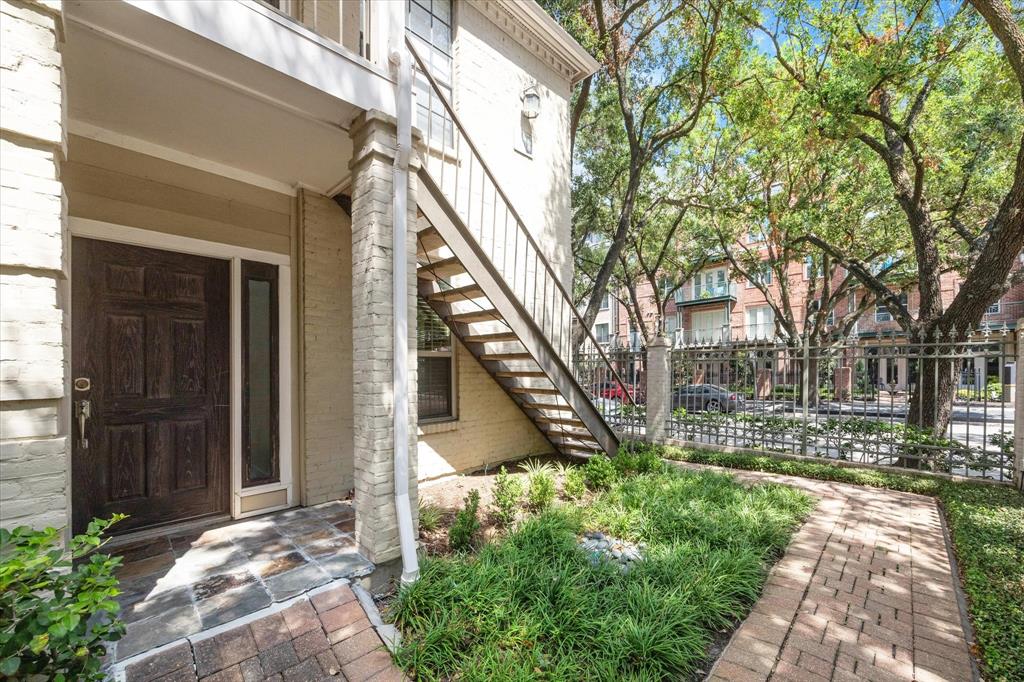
[150,344]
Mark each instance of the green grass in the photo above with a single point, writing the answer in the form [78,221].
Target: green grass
[531,606]
[987,526]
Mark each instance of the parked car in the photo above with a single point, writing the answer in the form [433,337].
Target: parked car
[612,390]
[706,398]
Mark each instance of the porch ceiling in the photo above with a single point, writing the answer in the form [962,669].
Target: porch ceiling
[132,75]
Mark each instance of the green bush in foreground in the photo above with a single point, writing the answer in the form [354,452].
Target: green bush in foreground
[508,491]
[466,524]
[57,605]
[534,606]
[599,473]
[987,525]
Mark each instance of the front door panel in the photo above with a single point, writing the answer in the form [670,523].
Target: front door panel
[150,355]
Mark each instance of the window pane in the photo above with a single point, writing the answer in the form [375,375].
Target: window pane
[260,447]
[431,333]
[434,387]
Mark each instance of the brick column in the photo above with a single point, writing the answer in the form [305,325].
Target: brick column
[373,137]
[1018,411]
[659,388]
[34,410]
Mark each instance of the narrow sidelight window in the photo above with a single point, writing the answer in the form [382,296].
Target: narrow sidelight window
[260,441]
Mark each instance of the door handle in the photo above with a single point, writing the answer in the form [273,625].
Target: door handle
[83,409]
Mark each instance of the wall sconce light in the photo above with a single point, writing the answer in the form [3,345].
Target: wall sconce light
[531,102]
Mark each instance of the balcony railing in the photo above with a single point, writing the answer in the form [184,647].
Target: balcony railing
[694,295]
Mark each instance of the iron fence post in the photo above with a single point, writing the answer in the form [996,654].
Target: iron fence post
[1018,410]
[805,388]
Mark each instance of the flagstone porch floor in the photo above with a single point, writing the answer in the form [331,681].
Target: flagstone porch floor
[180,583]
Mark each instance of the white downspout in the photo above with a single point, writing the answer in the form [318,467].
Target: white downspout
[399,286]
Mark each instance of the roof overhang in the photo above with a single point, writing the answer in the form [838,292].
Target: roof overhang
[527,23]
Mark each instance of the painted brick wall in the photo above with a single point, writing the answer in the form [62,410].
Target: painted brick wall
[490,428]
[491,72]
[327,447]
[33,268]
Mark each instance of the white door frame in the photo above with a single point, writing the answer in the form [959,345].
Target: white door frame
[111,232]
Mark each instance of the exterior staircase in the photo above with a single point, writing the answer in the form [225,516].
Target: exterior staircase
[483,273]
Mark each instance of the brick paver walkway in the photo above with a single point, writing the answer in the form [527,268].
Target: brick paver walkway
[865,591]
[323,636]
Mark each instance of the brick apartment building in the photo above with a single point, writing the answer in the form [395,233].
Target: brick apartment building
[718,306]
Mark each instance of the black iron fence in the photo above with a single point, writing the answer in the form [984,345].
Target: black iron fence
[609,395]
[940,404]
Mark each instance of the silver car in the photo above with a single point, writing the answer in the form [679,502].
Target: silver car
[706,398]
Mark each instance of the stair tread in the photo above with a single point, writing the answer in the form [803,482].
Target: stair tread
[557,421]
[547,406]
[534,389]
[515,374]
[515,355]
[475,316]
[489,338]
[469,291]
[445,267]
[429,239]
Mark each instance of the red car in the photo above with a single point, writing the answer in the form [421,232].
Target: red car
[612,390]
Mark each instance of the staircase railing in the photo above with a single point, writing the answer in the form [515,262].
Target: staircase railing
[467,182]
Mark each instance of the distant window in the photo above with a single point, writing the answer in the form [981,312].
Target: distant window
[605,301]
[882,312]
[435,366]
[601,332]
[760,322]
[994,309]
[810,271]
[429,24]
[763,274]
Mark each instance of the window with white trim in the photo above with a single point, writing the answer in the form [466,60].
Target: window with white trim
[435,366]
[601,332]
[429,24]
[760,322]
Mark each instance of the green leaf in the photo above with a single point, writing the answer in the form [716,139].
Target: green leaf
[9,666]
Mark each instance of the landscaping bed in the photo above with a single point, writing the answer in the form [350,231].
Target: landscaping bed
[986,523]
[537,594]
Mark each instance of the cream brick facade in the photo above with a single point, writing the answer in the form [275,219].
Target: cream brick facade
[490,427]
[327,445]
[491,72]
[33,268]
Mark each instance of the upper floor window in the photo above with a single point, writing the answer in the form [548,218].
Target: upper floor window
[762,274]
[605,301]
[601,332]
[430,28]
[812,271]
[993,309]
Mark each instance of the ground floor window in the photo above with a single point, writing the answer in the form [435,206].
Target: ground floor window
[435,366]
[260,441]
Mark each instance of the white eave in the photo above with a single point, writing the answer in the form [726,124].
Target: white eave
[527,23]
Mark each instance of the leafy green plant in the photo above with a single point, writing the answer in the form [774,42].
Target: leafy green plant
[599,473]
[541,492]
[508,493]
[430,517]
[465,526]
[533,606]
[57,605]
[535,466]
[574,485]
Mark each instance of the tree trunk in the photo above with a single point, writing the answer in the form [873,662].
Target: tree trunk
[931,406]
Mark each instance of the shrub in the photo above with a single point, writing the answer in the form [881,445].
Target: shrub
[56,605]
[465,525]
[574,487]
[508,491]
[541,491]
[599,473]
[430,517]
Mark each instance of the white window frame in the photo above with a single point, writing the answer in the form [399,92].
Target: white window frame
[753,329]
[134,236]
[607,332]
